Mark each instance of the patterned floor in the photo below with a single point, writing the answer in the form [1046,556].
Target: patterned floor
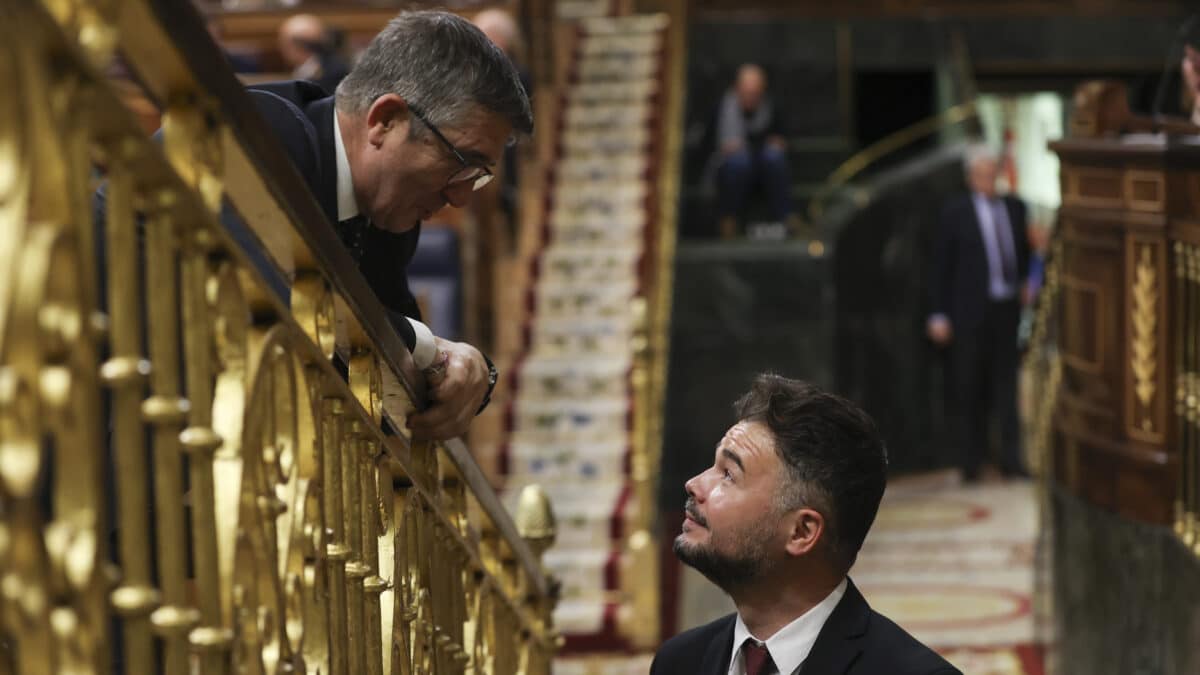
[953,565]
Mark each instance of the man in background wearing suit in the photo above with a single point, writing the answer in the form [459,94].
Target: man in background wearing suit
[978,285]
[776,523]
[417,124]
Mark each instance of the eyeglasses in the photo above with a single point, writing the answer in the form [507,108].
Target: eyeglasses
[477,175]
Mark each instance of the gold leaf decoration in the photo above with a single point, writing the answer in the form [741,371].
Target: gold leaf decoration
[1145,322]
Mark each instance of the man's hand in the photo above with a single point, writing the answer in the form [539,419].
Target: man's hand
[939,330]
[730,147]
[458,381]
[777,142]
[1026,294]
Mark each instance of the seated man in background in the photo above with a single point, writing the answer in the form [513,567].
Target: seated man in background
[753,151]
[310,50]
[777,523]
[417,124]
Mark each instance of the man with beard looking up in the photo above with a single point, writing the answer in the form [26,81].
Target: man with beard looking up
[776,523]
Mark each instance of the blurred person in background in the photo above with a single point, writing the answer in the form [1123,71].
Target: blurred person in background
[977,288]
[1191,81]
[500,27]
[311,51]
[753,151]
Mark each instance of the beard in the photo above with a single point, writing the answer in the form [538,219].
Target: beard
[729,560]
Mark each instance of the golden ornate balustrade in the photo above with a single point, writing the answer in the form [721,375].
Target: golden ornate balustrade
[197,472]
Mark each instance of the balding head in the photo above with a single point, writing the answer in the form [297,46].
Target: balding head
[296,35]
[499,26]
[751,86]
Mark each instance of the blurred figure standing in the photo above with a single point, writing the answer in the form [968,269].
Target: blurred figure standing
[500,27]
[1191,81]
[753,151]
[978,285]
[311,51]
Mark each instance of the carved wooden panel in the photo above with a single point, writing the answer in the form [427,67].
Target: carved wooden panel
[1116,414]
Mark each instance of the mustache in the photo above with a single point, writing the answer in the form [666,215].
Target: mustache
[690,508]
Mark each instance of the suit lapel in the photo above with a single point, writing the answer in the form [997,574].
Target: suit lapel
[837,645]
[716,657]
[975,229]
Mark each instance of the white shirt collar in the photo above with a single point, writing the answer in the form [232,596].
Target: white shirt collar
[792,643]
[347,207]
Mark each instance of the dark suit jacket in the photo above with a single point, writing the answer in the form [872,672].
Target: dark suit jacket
[855,640]
[959,281]
[301,113]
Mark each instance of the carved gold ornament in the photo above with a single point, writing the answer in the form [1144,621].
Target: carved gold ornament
[1145,324]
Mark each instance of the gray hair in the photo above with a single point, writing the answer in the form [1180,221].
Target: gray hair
[977,152]
[441,64]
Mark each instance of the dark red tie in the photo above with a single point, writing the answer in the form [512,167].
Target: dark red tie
[758,659]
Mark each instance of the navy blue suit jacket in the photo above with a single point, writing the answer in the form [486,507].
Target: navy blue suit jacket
[958,285]
[302,114]
[856,640]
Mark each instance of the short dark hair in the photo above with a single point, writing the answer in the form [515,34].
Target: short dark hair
[440,63]
[836,460]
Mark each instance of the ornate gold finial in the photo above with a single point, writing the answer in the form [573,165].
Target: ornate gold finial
[535,519]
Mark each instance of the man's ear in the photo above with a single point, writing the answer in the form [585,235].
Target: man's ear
[389,113]
[806,528]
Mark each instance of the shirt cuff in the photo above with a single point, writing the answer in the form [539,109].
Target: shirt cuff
[425,349]
[937,318]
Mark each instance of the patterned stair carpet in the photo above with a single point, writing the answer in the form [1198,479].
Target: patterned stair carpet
[952,564]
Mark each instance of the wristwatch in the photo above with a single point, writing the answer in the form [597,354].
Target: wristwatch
[493,376]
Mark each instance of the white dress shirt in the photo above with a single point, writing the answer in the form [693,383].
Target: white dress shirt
[790,646]
[425,350]
[992,215]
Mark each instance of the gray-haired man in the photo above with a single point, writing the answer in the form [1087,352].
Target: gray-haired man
[417,124]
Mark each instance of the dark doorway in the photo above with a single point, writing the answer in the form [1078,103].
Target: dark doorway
[887,101]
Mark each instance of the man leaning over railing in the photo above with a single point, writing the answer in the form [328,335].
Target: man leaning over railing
[416,125]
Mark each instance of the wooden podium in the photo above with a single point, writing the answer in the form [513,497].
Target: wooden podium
[1126,437]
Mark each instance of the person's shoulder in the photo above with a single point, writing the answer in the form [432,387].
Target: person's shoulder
[690,645]
[903,653]
[297,92]
[282,105]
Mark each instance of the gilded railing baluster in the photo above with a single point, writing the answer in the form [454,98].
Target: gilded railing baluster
[211,640]
[125,373]
[373,584]
[166,411]
[192,145]
[405,610]
[337,553]
[356,571]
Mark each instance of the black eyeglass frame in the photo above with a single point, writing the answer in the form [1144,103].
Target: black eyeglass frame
[466,172]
